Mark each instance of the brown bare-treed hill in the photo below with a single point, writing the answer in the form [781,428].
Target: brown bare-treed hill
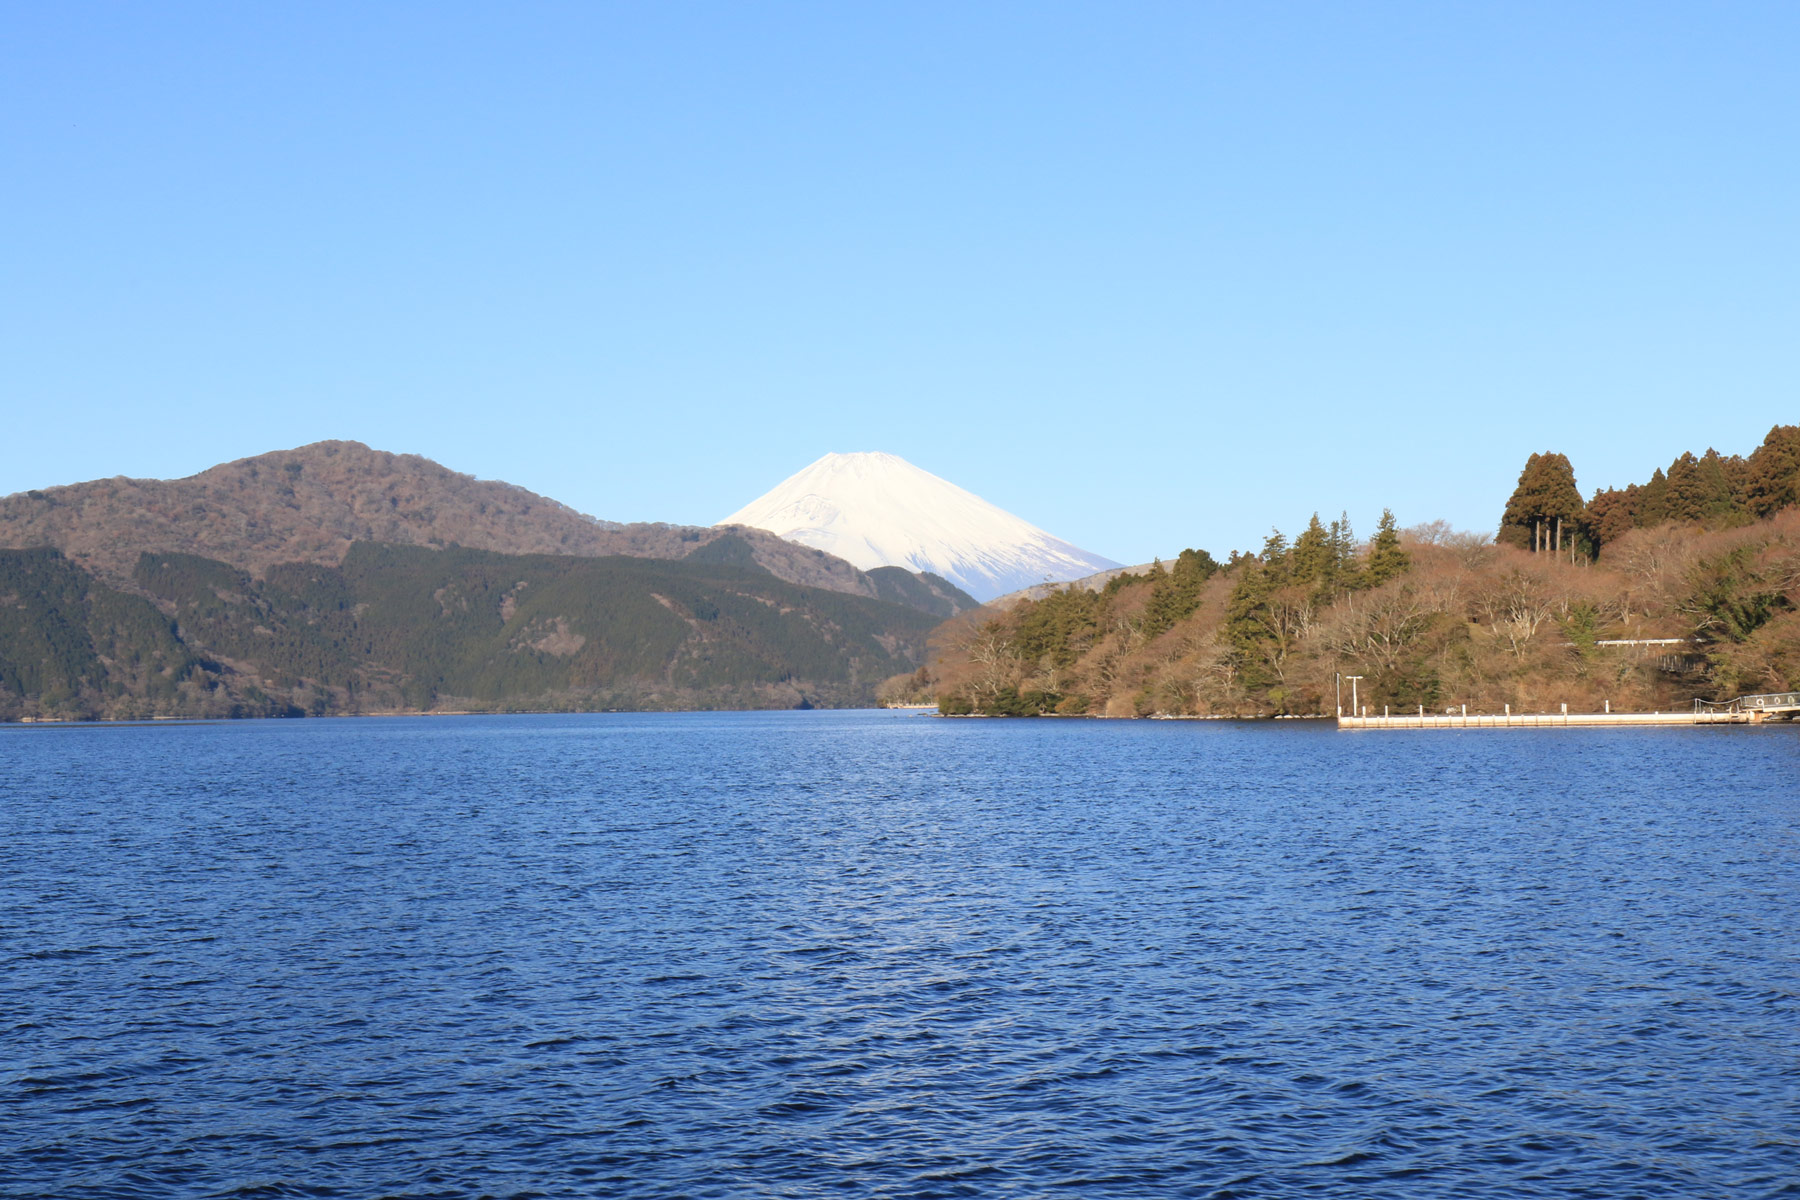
[310,504]
[1431,621]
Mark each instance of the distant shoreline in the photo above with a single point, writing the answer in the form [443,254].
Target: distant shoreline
[121,722]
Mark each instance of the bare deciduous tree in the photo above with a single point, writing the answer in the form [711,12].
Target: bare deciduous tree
[1515,607]
[1378,628]
[991,651]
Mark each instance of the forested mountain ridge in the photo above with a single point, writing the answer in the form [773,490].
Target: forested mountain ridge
[313,503]
[406,628]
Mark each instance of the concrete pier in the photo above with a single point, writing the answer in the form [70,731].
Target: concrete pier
[1545,720]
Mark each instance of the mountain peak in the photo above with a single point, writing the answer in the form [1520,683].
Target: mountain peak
[876,509]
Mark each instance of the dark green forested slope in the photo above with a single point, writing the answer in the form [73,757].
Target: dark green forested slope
[922,590]
[67,640]
[405,627]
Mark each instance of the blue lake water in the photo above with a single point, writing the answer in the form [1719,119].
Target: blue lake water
[846,954]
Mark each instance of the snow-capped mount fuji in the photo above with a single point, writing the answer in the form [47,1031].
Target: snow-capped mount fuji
[878,510]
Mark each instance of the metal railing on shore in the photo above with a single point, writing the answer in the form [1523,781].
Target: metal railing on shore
[1762,702]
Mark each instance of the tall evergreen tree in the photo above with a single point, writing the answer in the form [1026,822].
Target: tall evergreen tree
[1772,473]
[1545,510]
[1256,624]
[1343,539]
[1312,559]
[1275,549]
[1701,489]
[1177,593]
[1613,512]
[1386,557]
[1653,501]
[1263,614]
[1346,574]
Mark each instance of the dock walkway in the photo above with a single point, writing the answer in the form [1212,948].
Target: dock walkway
[1745,710]
[1544,720]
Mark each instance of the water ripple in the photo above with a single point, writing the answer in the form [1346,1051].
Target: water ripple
[875,954]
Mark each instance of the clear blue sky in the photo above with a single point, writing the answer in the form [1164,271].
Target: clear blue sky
[1148,275]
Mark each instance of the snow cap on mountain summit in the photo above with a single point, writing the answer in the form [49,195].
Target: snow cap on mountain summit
[878,510]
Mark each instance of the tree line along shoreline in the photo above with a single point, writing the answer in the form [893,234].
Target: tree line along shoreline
[1705,555]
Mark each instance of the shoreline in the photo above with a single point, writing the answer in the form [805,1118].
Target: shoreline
[1392,722]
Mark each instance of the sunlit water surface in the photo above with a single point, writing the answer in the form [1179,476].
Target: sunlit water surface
[807,954]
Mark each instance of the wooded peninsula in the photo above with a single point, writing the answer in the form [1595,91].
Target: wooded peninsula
[1643,598]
